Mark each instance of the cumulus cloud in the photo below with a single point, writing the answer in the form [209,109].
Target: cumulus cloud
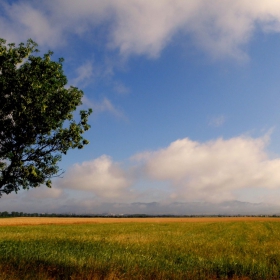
[220,27]
[186,170]
[103,177]
[215,170]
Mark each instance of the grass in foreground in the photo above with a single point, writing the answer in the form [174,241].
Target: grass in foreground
[209,250]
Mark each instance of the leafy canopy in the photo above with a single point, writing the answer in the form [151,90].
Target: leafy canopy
[36,117]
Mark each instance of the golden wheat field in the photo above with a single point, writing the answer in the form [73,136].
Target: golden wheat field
[139,248]
[20,221]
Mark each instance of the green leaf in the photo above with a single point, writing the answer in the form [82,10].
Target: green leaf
[37,124]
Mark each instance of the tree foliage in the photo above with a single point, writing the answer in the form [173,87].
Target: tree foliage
[37,124]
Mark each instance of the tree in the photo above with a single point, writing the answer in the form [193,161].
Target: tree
[37,124]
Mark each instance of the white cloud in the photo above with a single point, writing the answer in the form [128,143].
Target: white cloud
[103,177]
[215,170]
[121,88]
[217,121]
[220,27]
[186,171]
[23,21]
[85,74]
[90,72]
[104,106]
[44,192]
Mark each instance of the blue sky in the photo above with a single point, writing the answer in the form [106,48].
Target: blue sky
[185,97]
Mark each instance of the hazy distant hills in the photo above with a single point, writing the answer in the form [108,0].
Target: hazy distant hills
[189,208]
[233,207]
[200,208]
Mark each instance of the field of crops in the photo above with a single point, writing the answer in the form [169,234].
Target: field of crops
[150,248]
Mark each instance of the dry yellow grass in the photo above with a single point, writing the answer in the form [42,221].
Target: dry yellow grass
[24,221]
[140,248]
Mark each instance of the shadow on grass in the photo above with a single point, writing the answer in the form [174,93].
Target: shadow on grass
[42,270]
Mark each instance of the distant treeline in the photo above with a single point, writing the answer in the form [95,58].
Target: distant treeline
[6,214]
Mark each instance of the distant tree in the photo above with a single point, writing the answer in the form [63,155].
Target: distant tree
[36,117]
[4,214]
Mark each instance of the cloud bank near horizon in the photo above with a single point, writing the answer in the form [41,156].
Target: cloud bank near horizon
[186,170]
[136,27]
